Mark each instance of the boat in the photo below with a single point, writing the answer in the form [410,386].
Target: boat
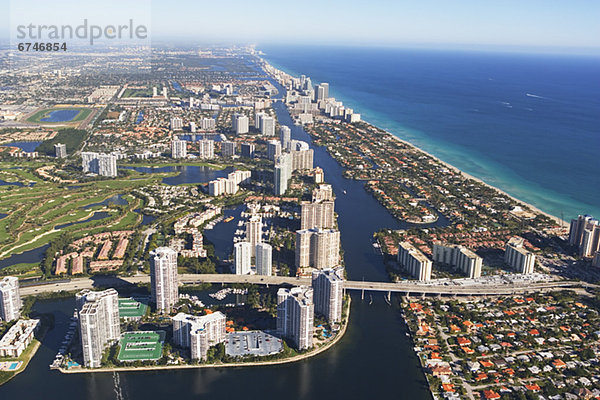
[228,219]
[344,191]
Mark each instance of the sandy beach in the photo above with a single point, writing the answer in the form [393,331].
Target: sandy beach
[469,176]
[533,208]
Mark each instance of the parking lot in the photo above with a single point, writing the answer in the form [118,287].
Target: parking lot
[257,343]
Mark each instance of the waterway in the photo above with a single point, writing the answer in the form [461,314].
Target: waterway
[25,146]
[96,216]
[61,115]
[187,173]
[30,256]
[374,360]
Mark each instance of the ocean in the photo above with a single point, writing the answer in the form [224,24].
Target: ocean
[528,124]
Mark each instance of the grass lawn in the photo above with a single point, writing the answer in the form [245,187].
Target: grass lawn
[34,211]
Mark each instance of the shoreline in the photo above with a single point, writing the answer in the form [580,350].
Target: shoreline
[293,359]
[476,179]
[562,223]
[36,346]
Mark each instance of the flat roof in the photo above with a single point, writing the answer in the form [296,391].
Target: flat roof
[141,345]
[132,308]
[256,343]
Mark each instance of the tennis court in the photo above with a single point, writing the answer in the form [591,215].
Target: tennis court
[142,345]
[132,308]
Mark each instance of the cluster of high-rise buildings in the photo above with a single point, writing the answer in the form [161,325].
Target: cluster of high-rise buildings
[253,247]
[296,306]
[460,257]
[98,311]
[99,164]
[584,234]
[305,100]
[317,248]
[318,240]
[289,156]
[206,148]
[413,261]
[229,185]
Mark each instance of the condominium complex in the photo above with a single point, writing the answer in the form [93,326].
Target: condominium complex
[239,123]
[198,333]
[206,149]
[285,136]
[267,126]
[60,150]
[163,278]
[458,256]
[247,150]
[273,149]
[242,257]
[19,336]
[584,234]
[179,148]
[258,119]
[323,193]
[264,259]
[10,299]
[98,323]
[319,175]
[227,148]
[295,315]
[229,185]
[321,92]
[208,124]
[98,163]
[176,123]
[317,214]
[516,256]
[254,231]
[302,156]
[317,248]
[414,262]
[328,287]
[283,173]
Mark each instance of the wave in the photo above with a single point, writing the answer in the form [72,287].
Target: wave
[535,96]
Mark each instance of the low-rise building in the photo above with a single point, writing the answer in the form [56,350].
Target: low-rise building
[18,337]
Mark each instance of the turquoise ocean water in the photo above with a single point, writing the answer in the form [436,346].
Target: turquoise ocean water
[527,124]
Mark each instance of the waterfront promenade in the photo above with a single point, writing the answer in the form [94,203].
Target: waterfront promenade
[444,288]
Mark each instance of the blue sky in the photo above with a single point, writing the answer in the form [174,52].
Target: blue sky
[523,23]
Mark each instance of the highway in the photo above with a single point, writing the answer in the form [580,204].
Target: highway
[411,288]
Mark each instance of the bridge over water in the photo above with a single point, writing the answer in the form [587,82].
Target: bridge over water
[411,288]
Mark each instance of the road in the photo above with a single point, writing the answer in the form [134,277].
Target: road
[412,288]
